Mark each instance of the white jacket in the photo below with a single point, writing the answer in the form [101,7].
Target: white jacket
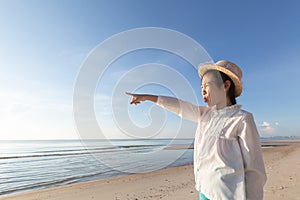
[228,162]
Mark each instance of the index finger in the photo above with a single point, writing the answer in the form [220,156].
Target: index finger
[130,94]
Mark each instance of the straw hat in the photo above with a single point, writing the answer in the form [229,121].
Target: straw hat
[230,69]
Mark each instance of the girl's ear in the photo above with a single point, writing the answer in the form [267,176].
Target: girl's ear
[227,84]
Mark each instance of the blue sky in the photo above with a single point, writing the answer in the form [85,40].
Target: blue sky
[44,44]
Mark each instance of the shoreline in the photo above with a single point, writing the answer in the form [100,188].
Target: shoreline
[176,183]
[157,184]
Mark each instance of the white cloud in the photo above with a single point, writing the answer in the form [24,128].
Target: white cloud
[266,127]
[18,101]
[265,124]
[30,115]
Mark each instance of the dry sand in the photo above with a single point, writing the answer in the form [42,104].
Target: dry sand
[283,172]
[282,165]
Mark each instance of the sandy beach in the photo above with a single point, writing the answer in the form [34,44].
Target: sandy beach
[282,165]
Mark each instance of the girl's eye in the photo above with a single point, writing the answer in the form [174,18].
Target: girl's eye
[207,84]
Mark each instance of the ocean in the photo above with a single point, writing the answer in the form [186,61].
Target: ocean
[37,164]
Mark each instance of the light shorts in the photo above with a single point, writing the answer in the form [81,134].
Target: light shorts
[202,196]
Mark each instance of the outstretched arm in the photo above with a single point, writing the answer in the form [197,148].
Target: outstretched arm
[184,109]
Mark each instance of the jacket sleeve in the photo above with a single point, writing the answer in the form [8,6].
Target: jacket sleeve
[255,175]
[184,109]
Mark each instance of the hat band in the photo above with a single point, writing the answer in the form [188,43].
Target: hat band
[233,70]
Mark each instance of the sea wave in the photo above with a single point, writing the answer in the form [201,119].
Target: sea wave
[76,152]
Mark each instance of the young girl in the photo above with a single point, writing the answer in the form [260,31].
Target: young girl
[228,161]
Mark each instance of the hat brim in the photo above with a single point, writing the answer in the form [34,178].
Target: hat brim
[237,83]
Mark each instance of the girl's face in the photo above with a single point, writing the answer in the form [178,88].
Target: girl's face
[211,92]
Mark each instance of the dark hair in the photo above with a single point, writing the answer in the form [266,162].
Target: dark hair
[225,77]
